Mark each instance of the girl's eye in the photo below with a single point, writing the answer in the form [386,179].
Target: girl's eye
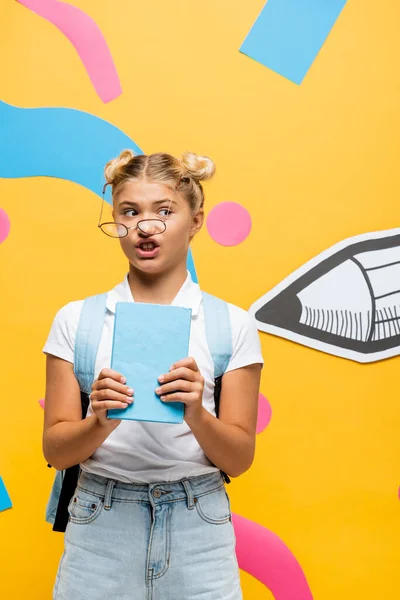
[130,210]
[165,212]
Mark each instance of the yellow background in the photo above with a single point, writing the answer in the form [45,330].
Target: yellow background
[313,164]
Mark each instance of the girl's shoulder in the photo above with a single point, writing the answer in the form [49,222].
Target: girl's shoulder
[69,313]
[61,339]
[246,347]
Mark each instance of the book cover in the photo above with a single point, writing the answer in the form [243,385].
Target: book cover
[148,339]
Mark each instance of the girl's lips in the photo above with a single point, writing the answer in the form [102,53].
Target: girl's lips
[147,253]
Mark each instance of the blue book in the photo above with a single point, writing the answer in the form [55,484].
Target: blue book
[148,339]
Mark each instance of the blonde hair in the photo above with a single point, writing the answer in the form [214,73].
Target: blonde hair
[185,174]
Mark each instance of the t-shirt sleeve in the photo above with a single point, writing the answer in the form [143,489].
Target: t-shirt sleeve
[61,339]
[246,345]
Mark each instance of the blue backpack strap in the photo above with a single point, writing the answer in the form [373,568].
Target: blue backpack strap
[87,340]
[218,332]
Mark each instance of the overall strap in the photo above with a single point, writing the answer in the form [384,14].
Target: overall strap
[218,332]
[88,339]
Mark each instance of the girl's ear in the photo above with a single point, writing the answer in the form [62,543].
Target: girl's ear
[197,223]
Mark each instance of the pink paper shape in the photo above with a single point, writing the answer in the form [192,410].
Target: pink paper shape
[41,402]
[87,39]
[4,225]
[229,223]
[264,556]
[264,413]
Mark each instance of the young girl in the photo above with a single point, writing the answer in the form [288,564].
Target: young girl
[150,517]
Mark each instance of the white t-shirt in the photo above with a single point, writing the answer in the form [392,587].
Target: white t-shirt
[153,452]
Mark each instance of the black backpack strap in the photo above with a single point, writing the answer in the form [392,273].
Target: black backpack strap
[70,481]
[217,398]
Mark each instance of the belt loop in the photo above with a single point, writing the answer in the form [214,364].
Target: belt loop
[109,490]
[189,493]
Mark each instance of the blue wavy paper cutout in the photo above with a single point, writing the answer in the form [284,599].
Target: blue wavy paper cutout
[61,142]
[58,142]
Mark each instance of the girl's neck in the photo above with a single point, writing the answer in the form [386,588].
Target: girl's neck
[156,289]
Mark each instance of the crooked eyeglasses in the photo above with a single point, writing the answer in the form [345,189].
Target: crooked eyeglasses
[114,229]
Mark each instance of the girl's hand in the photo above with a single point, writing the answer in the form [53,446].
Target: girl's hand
[109,391]
[184,383]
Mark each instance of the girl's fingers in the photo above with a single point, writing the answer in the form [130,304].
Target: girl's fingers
[105,395]
[174,386]
[179,397]
[181,373]
[188,363]
[110,373]
[110,384]
[108,405]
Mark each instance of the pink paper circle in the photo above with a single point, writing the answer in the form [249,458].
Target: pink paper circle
[4,225]
[264,413]
[229,223]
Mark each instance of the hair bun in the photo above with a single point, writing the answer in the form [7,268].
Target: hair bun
[114,166]
[198,167]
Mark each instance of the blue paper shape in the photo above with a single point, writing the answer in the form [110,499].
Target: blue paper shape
[191,267]
[148,339]
[288,34]
[64,143]
[59,142]
[5,501]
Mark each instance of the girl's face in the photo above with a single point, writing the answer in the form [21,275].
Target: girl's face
[138,200]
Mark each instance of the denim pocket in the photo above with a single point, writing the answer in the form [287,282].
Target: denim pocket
[214,507]
[84,507]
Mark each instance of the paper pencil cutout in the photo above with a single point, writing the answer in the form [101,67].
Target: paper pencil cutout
[345,301]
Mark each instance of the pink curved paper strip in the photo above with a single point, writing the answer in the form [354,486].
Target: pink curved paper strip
[4,225]
[264,413]
[264,556]
[89,42]
[41,402]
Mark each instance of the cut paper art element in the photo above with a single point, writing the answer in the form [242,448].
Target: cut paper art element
[41,402]
[61,142]
[288,34]
[229,223]
[263,555]
[88,41]
[345,301]
[4,225]
[264,413]
[5,501]
[191,267]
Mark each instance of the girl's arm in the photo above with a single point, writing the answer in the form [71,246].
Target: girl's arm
[229,441]
[67,438]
